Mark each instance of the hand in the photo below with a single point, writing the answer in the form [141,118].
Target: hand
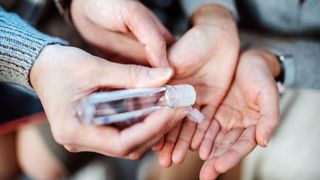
[229,147]
[206,57]
[250,111]
[123,27]
[62,76]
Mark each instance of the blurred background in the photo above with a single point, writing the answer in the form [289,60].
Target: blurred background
[293,152]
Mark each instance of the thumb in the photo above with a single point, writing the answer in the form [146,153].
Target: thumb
[270,119]
[132,76]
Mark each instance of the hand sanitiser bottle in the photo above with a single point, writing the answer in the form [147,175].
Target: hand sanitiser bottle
[103,108]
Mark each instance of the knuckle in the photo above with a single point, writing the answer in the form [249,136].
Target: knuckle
[134,6]
[122,151]
[161,42]
[134,156]
[59,136]
[131,9]
[185,140]
[134,72]
[62,137]
[71,148]
[170,142]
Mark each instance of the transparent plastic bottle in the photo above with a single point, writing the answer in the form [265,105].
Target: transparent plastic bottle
[132,105]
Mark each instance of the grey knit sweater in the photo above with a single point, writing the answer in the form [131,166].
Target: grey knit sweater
[20,45]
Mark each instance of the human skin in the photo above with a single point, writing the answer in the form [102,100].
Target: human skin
[205,57]
[251,108]
[62,76]
[125,28]
[250,116]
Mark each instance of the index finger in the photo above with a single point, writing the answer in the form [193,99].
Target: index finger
[243,146]
[235,148]
[150,32]
[110,140]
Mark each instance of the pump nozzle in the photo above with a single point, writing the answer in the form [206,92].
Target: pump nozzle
[195,114]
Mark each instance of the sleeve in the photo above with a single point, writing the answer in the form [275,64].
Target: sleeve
[304,70]
[190,6]
[20,45]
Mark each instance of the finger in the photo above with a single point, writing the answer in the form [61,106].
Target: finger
[148,33]
[75,148]
[114,43]
[166,152]
[132,76]
[163,30]
[208,141]
[159,145]
[158,123]
[183,143]
[223,141]
[208,171]
[140,151]
[229,139]
[112,141]
[202,127]
[211,96]
[135,155]
[243,146]
[270,119]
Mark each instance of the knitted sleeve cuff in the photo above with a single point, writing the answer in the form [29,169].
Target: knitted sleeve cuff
[20,45]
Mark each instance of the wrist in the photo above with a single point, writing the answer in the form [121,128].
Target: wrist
[212,13]
[271,59]
[38,68]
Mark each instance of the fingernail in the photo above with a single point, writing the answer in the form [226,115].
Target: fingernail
[160,73]
[266,140]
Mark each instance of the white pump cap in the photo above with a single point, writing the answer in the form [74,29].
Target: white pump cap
[181,95]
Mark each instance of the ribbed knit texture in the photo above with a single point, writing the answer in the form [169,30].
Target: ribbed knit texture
[20,45]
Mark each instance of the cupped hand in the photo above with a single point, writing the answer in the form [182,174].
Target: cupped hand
[205,57]
[250,113]
[125,28]
[62,76]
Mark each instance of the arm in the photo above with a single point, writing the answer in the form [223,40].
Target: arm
[302,71]
[20,45]
[191,6]
[61,76]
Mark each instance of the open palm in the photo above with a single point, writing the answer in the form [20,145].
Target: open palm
[202,59]
[252,98]
[249,114]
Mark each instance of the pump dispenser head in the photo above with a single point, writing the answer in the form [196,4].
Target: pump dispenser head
[183,95]
[180,95]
